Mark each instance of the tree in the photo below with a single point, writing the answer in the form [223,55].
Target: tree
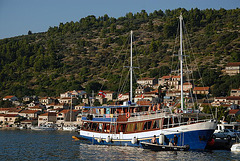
[93,86]
[29,32]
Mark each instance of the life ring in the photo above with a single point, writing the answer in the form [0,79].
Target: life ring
[127,115]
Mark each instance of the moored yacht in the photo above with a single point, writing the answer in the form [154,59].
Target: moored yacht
[132,124]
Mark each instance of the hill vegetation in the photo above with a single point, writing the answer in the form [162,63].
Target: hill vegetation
[78,55]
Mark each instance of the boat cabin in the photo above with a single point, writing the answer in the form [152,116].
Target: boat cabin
[116,119]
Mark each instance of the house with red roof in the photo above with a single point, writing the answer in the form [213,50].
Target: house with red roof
[234,112]
[201,90]
[186,86]
[74,93]
[10,98]
[14,111]
[54,105]
[29,114]
[147,81]
[47,118]
[46,100]
[234,100]
[170,81]
[4,110]
[9,119]
[235,92]
[64,116]
[68,100]
[232,68]
[36,108]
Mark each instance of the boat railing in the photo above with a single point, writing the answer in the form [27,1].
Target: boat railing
[136,115]
[147,115]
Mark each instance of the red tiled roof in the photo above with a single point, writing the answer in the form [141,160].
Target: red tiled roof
[108,91]
[233,64]
[4,109]
[147,78]
[235,89]
[187,83]
[201,88]
[14,110]
[177,76]
[166,77]
[220,97]
[28,111]
[11,115]
[64,111]
[233,112]
[8,97]
[48,114]
[233,98]
[67,98]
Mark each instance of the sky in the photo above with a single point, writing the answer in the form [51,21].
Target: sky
[17,17]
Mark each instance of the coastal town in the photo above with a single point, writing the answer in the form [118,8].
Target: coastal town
[66,110]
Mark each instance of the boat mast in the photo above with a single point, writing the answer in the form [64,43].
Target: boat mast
[181,60]
[131,70]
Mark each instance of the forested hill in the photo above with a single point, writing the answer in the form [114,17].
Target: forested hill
[71,55]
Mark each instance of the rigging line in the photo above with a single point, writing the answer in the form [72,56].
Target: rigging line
[121,79]
[174,47]
[186,66]
[113,65]
[187,75]
[199,72]
[124,83]
[189,81]
[191,52]
[191,69]
[136,55]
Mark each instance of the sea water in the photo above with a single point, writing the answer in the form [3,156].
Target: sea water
[58,145]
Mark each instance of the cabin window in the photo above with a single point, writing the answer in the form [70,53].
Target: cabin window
[100,127]
[139,126]
[113,127]
[106,127]
[94,126]
[131,127]
[90,126]
[156,124]
[147,125]
[176,121]
[161,123]
[185,120]
[121,127]
[165,123]
[86,125]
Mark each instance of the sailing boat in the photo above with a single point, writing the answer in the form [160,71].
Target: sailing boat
[70,127]
[131,124]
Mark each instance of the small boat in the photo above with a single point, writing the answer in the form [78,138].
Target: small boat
[235,147]
[69,128]
[158,147]
[48,127]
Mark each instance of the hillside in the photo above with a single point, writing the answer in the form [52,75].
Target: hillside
[76,55]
